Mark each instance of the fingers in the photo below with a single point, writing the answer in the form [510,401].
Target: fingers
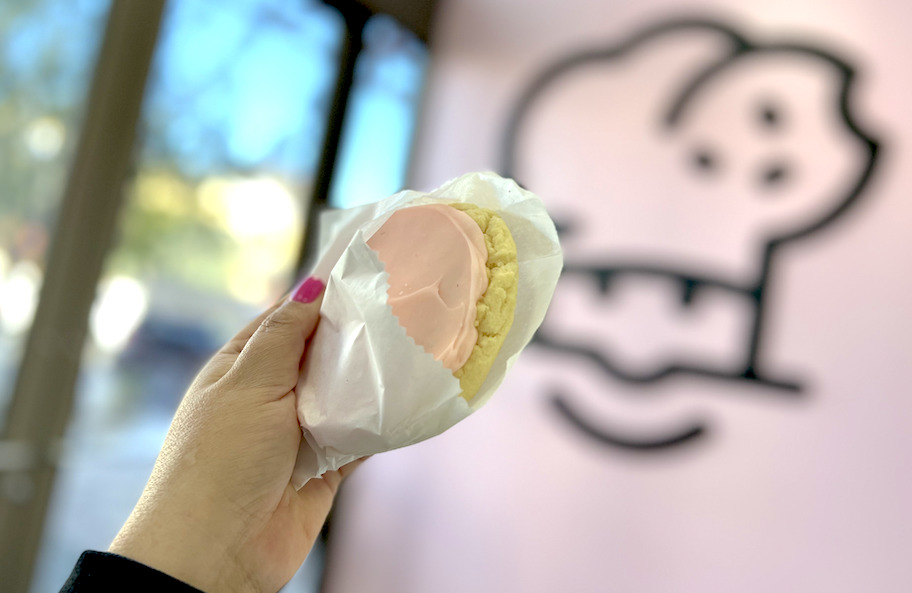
[327,485]
[269,361]
[237,343]
[348,468]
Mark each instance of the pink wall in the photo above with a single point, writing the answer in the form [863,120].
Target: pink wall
[798,481]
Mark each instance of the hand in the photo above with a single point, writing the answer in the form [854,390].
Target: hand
[219,511]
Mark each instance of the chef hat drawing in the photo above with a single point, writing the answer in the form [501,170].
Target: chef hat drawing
[690,147]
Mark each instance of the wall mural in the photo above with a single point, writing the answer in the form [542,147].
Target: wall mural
[691,158]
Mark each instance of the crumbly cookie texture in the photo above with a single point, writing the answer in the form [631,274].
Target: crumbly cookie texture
[495,309]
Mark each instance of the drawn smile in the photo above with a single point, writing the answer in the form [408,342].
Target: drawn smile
[612,436]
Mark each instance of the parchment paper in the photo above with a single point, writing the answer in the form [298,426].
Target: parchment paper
[366,387]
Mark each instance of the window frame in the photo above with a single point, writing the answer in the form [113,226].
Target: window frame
[41,403]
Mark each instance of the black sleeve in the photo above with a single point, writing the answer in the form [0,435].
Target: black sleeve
[102,572]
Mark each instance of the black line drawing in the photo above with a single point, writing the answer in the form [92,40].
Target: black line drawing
[704,162]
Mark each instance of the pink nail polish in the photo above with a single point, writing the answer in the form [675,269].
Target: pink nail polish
[308,290]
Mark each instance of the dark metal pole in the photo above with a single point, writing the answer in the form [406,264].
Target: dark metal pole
[43,396]
[356,17]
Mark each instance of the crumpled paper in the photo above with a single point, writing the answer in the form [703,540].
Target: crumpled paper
[366,387]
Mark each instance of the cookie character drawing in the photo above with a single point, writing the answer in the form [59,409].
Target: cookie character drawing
[682,164]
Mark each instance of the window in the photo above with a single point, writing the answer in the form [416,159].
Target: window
[230,141]
[47,50]
[377,136]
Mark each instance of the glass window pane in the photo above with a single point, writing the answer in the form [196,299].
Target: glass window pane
[383,106]
[231,133]
[47,54]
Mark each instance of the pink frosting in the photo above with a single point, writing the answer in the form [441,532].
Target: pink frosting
[435,256]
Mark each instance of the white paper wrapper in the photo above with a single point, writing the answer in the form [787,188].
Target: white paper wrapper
[366,387]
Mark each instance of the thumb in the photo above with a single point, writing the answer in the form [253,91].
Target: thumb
[270,361]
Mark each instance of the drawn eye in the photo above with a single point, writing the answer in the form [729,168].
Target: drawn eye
[770,116]
[774,174]
[704,160]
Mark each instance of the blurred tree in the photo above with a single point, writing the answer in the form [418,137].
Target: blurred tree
[47,49]
[238,88]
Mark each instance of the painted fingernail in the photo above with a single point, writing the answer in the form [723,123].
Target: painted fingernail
[309,290]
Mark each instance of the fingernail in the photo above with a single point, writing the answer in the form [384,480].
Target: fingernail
[308,290]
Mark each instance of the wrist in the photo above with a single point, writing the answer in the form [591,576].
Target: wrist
[181,548]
